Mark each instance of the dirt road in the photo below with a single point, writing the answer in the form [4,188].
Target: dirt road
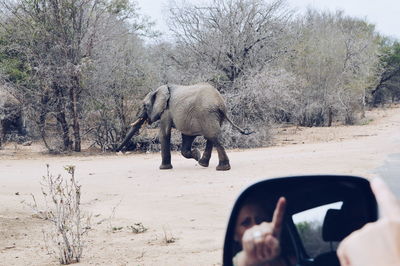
[188,205]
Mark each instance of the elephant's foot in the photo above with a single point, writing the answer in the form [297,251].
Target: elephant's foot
[223,166]
[165,166]
[204,162]
[196,154]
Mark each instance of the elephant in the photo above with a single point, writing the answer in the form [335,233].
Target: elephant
[194,110]
[11,118]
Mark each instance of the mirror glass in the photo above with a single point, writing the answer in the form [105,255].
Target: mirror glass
[309,224]
[319,212]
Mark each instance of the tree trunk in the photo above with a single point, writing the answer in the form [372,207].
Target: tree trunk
[42,118]
[65,132]
[75,115]
[120,109]
[330,116]
[62,118]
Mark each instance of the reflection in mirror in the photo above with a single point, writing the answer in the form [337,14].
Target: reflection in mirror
[317,213]
[309,225]
[250,214]
[259,233]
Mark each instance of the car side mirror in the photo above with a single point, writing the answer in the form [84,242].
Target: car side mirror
[320,212]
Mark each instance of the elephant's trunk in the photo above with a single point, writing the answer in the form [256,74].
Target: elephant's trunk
[134,128]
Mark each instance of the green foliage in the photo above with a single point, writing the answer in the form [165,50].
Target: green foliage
[12,64]
[303,228]
[391,55]
[310,233]
[119,6]
[14,69]
[388,88]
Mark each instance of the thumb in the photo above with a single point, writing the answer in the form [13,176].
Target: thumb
[387,201]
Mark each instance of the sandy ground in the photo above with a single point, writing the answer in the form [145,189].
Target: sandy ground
[188,205]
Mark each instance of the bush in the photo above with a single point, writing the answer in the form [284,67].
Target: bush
[62,196]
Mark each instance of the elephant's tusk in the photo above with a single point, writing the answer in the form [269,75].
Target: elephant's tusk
[136,122]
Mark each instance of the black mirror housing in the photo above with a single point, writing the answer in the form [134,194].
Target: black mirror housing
[321,211]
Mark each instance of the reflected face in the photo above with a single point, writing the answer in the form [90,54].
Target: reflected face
[249,216]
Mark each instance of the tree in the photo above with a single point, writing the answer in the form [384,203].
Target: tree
[336,56]
[389,83]
[55,39]
[116,81]
[226,39]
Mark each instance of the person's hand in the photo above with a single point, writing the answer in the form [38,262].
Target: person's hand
[261,242]
[376,243]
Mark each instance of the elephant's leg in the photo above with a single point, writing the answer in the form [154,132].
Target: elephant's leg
[187,150]
[205,159]
[165,139]
[223,164]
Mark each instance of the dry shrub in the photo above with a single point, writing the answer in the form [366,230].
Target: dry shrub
[278,96]
[62,196]
[51,135]
[262,100]
[168,237]
[103,128]
[137,228]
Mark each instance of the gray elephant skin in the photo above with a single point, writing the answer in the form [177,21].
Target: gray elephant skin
[195,110]
[11,119]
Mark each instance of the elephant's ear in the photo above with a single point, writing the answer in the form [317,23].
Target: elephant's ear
[160,100]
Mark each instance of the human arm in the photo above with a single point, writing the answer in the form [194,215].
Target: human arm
[376,243]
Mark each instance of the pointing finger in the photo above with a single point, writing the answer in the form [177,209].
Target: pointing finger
[277,219]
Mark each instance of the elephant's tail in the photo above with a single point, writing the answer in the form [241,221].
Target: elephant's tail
[245,131]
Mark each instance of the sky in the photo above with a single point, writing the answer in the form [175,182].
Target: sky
[385,14]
